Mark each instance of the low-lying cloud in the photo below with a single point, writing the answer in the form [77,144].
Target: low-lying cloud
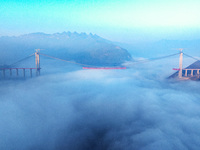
[100,110]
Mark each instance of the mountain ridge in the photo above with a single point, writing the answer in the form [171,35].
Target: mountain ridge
[84,48]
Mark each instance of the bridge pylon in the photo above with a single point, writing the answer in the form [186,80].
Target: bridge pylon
[180,63]
[37,62]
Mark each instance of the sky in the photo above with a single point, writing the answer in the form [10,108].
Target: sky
[117,20]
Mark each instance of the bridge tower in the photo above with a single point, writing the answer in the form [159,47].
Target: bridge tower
[37,61]
[180,63]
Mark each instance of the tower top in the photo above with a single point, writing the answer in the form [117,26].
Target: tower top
[37,50]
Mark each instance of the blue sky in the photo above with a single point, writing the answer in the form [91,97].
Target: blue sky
[118,20]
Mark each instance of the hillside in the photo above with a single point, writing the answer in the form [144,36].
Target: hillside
[82,48]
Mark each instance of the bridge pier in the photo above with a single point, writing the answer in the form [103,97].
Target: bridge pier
[37,62]
[31,73]
[194,72]
[17,72]
[4,74]
[186,73]
[24,73]
[10,72]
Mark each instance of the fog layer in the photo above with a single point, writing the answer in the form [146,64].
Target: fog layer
[101,110]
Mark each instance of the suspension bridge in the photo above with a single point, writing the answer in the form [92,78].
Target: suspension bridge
[10,70]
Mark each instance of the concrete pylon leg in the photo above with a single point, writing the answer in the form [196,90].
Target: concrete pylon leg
[17,72]
[37,62]
[10,72]
[31,73]
[186,73]
[4,73]
[24,72]
[180,64]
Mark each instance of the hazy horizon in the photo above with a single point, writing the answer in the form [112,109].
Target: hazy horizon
[121,21]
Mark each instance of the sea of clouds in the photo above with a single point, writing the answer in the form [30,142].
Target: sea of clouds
[76,109]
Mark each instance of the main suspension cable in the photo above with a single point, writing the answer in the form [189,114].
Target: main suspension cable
[21,60]
[66,60]
[153,59]
[190,56]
